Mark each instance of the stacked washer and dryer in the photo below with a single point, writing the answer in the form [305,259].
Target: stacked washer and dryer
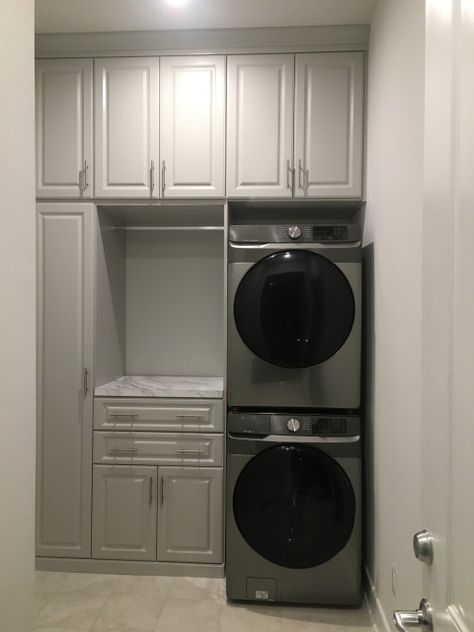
[293,516]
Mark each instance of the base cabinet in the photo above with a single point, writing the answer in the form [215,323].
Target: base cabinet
[190,516]
[124,511]
[147,513]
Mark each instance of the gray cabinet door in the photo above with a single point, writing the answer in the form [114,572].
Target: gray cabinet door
[64,128]
[124,513]
[65,338]
[190,516]
[329,124]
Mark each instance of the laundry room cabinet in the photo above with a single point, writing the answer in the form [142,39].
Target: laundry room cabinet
[124,509]
[319,154]
[65,359]
[192,126]
[259,125]
[127,127]
[64,166]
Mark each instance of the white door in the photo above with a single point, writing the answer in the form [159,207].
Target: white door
[448,316]
[124,513]
[64,128]
[127,127]
[192,126]
[260,125]
[328,124]
[190,518]
[66,237]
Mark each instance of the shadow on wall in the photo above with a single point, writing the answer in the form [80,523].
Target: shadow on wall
[368,378]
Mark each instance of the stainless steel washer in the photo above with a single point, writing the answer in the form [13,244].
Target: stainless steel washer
[293,519]
[294,316]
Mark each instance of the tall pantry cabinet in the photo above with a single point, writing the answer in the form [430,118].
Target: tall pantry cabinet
[66,234]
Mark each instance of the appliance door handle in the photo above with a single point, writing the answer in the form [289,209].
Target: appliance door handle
[294,439]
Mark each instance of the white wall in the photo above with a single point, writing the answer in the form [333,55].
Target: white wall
[174,301]
[17,315]
[394,260]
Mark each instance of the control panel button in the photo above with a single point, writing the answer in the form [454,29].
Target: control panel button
[294,232]
[293,424]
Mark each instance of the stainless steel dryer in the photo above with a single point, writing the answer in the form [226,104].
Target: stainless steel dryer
[294,316]
[293,519]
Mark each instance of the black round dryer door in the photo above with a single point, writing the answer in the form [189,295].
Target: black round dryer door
[294,506]
[294,309]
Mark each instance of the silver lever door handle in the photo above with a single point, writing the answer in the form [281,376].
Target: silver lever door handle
[421,618]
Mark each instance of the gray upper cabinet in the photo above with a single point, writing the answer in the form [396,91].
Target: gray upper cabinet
[259,125]
[125,502]
[329,124]
[192,126]
[65,338]
[190,514]
[127,127]
[64,128]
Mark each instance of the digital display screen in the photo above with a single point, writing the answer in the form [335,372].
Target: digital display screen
[329,233]
[332,426]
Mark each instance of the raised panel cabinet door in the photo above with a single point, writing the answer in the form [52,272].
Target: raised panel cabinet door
[64,128]
[127,127]
[65,348]
[329,124]
[190,515]
[260,125]
[124,513]
[192,126]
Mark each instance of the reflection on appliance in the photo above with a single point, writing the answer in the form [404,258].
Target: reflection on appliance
[293,508]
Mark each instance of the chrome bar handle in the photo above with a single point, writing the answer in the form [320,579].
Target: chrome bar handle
[123,416]
[162,490]
[189,416]
[306,179]
[150,490]
[189,451]
[300,171]
[163,178]
[83,184]
[152,177]
[288,173]
[85,381]
[122,450]
[86,167]
[421,618]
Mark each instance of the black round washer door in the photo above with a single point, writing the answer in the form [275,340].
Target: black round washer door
[294,309]
[295,506]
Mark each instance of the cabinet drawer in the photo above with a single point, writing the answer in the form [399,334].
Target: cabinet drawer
[143,448]
[168,415]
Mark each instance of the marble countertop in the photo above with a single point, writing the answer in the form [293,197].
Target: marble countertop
[162,386]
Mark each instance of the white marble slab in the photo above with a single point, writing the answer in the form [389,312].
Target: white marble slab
[162,386]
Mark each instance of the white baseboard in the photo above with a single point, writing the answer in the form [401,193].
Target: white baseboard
[377,613]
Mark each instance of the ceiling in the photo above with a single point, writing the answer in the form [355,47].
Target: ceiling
[79,16]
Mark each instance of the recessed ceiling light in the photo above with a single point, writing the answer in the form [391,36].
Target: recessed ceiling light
[177,4]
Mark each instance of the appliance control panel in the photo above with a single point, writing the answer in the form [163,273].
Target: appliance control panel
[295,233]
[261,424]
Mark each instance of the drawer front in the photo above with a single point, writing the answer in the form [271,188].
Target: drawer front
[168,415]
[143,448]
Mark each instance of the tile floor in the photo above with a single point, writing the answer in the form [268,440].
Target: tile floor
[67,602]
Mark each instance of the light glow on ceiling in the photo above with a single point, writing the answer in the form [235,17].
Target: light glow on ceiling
[177,4]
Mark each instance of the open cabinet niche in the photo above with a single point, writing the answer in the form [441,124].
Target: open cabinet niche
[160,293]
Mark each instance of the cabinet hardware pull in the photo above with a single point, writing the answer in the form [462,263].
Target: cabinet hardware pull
[152,177]
[122,450]
[83,184]
[288,172]
[162,490]
[85,381]
[306,179]
[123,416]
[163,178]
[189,416]
[300,170]
[150,491]
[189,451]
